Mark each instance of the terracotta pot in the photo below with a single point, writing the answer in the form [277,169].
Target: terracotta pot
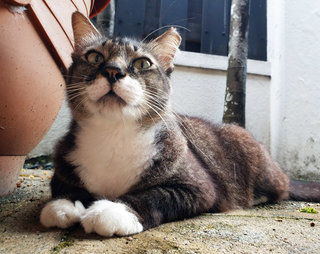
[35,46]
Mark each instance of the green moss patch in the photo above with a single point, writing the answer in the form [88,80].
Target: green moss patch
[309,209]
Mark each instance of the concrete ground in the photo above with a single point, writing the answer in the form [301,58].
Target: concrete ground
[278,228]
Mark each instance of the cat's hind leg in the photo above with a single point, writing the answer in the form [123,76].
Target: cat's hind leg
[61,213]
[272,184]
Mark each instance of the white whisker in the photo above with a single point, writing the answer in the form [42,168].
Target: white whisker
[154,110]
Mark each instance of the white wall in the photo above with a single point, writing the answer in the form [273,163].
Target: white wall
[199,83]
[294,53]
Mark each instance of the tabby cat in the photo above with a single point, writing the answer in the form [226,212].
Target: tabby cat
[128,162]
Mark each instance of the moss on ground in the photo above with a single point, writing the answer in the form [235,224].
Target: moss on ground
[309,210]
[65,242]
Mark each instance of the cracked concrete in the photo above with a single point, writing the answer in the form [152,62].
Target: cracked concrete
[278,228]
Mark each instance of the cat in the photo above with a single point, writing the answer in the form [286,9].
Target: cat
[129,163]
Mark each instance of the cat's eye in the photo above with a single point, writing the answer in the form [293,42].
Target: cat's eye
[142,63]
[94,57]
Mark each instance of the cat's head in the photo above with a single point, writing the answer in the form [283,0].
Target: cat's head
[119,78]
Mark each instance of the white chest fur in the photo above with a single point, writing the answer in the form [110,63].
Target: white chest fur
[111,157]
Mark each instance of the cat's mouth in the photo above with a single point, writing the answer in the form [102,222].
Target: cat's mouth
[112,97]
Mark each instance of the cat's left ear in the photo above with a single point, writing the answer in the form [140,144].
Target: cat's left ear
[84,31]
[165,47]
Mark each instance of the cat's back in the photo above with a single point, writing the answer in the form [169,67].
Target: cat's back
[228,139]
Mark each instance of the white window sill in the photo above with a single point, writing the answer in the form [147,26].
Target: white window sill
[215,62]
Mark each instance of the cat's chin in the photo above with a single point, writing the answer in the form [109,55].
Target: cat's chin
[111,99]
[114,109]
[112,106]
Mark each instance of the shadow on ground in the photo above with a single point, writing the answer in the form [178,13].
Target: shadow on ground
[278,228]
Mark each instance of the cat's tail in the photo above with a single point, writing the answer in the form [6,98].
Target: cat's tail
[304,191]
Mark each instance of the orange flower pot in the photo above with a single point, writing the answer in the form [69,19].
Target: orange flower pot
[35,47]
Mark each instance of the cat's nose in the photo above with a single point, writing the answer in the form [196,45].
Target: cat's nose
[113,74]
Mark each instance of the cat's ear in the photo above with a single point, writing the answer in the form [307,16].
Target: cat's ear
[84,31]
[165,47]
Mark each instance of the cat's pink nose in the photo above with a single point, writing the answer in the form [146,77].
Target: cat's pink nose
[113,71]
[113,74]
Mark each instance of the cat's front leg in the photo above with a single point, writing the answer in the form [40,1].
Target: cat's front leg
[61,213]
[109,218]
[135,213]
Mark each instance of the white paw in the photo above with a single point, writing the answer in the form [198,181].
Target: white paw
[107,218]
[61,213]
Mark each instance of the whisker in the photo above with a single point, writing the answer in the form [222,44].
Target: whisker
[159,105]
[158,102]
[159,115]
[150,117]
[78,84]
[79,75]
[80,103]
[75,95]
[75,88]
[167,26]
[155,97]
[188,131]
[76,91]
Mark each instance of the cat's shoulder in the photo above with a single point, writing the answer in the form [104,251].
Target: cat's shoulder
[198,126]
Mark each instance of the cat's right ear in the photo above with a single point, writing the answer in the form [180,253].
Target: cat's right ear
[84,32]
